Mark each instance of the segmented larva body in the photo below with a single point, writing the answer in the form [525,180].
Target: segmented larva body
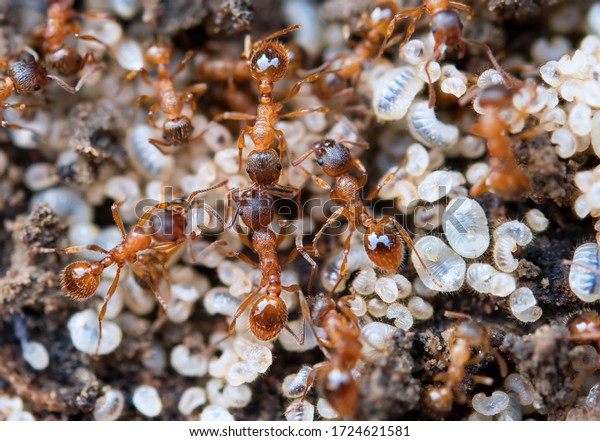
[479,277]
[446,265]
[584,276]
[424,126]
[503,249]
[523,305]
[394,92]
[466,227]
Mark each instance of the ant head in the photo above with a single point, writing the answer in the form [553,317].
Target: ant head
[268,316]
[447,28]
[340,390]
[178,130]
[471,331]
[28,76]
[159,53]
[384,245]
[81,279]
[498,95]
[256,209]
[65,61]
[381,15]
[439,400]
[333,157]
[585,327]
[264,167]
[269,62]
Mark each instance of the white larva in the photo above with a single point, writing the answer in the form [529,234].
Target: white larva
[109,406]
[424,126]
[491,405]
[436,185]
[479,276]
[413,52]
[215,413]
[466,227]
[394,92]
[447,267]
[64,202]
[503,249]
[523,305]
[564,142]
[521,387]
[300,411]
[147,401]
[536,220]
[502,284]
[515,229]
[584,275]
[146,157]
[580,119]
[294,385]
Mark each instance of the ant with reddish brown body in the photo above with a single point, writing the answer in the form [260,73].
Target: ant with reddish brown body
[466,336]
[177,128]
[585,328]
[447,29]
[384,240]
[60,24]
[268,63]
[146,249]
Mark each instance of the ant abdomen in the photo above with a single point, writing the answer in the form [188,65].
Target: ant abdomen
[65,61]
[81,279]
[178,130]
[446,26]
[340,390]
[168,225]
[439,400]
[268,317]
[383,245]
[269,62]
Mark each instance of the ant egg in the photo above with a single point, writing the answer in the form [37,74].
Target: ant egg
[237,396]
[240,373]
[424,126]
[466,227]
[447,267]
[376,307]
[523,305]
[83,328]
[580,119]
[413,52]
[294,385]
[503,249]
[521,387]
[536,220]
[300,411]
[436,185]
[258,357]
[364,283]
[215,413]
[188,364]
[147,401]
[394,91]
[109,406]
[217,367]
[192,398]
[515,229]
[417,160]
[325,410]
[584,275]
[220,301]
[491,405]
[36,355]
[502,284]
[479,276]
[357,305]
[386,289]
[419,308]
[401,315]
[435,72]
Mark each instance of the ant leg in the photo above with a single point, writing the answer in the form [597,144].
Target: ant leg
[243,258]
[463,7]
[234,116]
[193,194]
[280,33]
[320,182]
[324,345]
[385,182]
[75,249]
[296,87]
[166,148]
[302,112]
[244,305]
[282,144]
[95,40]
[336,214]
[151,118]
[109,294]
[302,251]
[242,146]
[117,217]
[411,244]
[243,236]
[344,265]
[143,99]
[490,55]
[187,57]
[391,27]
[81,81]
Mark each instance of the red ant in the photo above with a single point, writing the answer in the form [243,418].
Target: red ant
[384,239]
[59,26]
[146,249]
[268,63]
[447,29]
[466,336]
[177,128]
[585,328]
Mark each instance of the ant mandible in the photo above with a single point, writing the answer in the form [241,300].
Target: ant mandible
[466,336]
[59,26]
[268,62]
[177,128]
[384,239]
[447,29]
[146,249]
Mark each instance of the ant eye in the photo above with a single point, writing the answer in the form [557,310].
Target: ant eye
[320,161]
[78,58]
[279,167]
[248,170]
[36,87]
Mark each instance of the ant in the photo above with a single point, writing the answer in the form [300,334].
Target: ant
[268,313]
[268,63]
[384,239]
[466,336]
[447,29]
[146,249]
[177,128]
[505,177]
[59,26]
[585,328]
[342,347]
[346,67]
